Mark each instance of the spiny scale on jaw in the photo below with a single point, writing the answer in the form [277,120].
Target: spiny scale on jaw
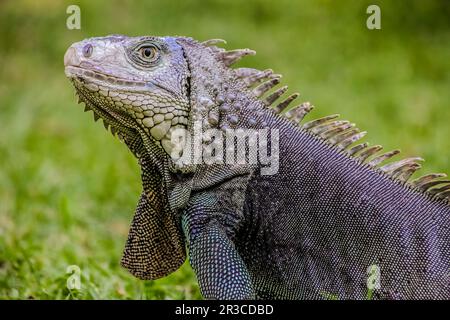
[123,133]
[157,114]
[340,134]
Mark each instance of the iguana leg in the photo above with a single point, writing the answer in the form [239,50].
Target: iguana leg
[221,272]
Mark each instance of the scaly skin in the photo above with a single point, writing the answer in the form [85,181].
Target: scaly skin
[333,210]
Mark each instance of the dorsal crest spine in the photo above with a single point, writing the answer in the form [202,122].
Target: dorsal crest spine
[339,133]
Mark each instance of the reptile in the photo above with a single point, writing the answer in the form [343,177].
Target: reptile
[314,212]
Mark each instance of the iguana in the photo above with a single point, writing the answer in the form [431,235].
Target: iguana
[330,212]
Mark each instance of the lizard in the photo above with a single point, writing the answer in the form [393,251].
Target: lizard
[330,210]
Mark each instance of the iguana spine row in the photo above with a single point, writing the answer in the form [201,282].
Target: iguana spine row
[338,133]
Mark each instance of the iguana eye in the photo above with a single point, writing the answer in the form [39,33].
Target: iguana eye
[148,53]
[145,54]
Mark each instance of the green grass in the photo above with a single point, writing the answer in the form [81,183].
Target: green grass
[68,189]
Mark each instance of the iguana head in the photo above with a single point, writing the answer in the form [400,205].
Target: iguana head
[137,85]
[149,87]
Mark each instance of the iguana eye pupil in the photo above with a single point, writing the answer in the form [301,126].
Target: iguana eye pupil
[144,54]
[148,52]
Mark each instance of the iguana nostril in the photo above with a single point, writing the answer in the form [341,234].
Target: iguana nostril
[87,50]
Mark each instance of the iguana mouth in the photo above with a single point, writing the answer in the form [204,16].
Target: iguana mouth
[99,77]
[87,72]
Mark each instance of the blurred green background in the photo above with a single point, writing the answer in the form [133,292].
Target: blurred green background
[68,189]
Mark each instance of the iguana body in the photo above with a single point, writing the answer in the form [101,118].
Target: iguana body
[313,229]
